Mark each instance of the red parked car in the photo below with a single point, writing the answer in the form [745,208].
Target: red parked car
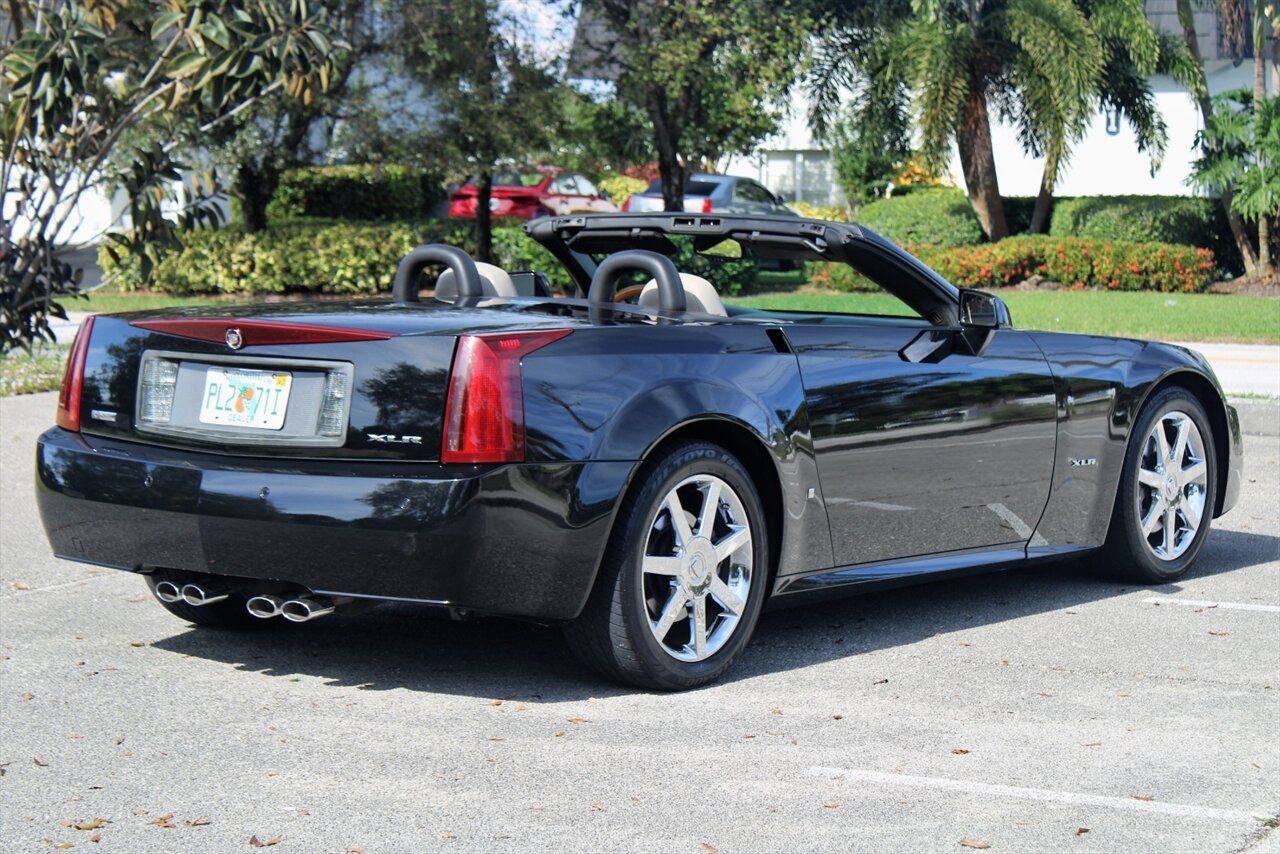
[534,193]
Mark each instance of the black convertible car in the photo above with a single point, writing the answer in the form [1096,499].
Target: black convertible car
[643,463]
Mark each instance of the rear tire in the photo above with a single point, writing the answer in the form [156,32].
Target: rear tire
[684,576]
[230,613]
[1167,492]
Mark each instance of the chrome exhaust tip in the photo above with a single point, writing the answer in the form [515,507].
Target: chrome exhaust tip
[167,591]
[264,607]
[306,608]
[196,594]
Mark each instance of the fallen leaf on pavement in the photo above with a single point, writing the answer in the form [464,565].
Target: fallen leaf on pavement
[97,837]
[710,849]
[1220,634]
[163,821]
[1004,662]
[1143,798]
[834,805]
[258,843]
[197,822]
[444,834]
[494,703]
[91,824]
[560,734]
[959,751]
[837,717]
[62,846]
[1094,744]
[28,696]
[775,711]
[980,844]
[38,763]
[1081,830]
[579,721]
[599,808]
[19,585]
[136,643]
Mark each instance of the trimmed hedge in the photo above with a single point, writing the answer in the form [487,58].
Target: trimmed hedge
[320,257]
[356,192]
[1169,219]
[1077,263]
[941,216]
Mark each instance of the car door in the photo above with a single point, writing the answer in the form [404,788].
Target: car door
[924,445]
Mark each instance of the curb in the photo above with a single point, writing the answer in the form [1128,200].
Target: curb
[1258,417]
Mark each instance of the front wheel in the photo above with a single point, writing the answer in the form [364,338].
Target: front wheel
[684,577]
[1167,491]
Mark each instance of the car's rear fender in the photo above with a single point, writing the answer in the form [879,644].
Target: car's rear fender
[624,403]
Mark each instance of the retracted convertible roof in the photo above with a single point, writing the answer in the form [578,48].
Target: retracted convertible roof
[577,241]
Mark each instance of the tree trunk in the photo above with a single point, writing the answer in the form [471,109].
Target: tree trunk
[666,138]
[1234,220]
[484,217]
[977,159]
[254,187]
[1044,199]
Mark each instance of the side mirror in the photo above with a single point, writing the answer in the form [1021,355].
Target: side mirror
[982,310]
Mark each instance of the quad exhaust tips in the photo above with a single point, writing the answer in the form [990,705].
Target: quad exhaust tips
[200,594]
[264,607]
[306,608]
[167,591]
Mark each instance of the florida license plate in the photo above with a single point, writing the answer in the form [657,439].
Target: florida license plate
[242,398]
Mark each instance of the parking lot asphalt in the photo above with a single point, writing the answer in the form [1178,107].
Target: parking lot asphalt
[1034,710]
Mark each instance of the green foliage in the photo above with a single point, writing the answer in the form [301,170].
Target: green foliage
[318,257]
[95,94]
[934,215]
[1173,219]
[1240,151]
[710,76]
[359,192]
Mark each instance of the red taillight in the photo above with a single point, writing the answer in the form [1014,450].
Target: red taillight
[73,379]
[626,205]
[484,415]
[706,205]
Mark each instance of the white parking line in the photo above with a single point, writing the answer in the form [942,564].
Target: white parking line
[1048,795]
[1204,603]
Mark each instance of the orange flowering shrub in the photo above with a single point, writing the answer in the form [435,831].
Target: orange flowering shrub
[1073,262]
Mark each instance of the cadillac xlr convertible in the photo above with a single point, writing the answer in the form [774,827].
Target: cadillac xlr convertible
[642,462]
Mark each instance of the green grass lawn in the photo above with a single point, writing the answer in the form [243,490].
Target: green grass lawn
[1165,317]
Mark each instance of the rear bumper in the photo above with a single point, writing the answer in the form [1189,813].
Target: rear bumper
[520,540]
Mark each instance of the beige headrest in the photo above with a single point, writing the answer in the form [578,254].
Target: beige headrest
[494,281]
[699,294]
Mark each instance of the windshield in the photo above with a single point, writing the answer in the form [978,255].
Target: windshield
[691,187]
[518,179]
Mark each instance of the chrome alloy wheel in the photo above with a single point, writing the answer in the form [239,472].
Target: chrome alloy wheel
[1173,482]
[697,568]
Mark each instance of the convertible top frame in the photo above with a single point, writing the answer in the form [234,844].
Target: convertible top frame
[573,240]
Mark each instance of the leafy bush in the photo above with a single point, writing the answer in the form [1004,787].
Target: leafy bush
[320,257]
[357,192]
[1170,219]
[1112,264]
[818,212]
[621,187]
[938,216]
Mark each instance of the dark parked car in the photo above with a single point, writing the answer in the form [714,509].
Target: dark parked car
[705,193]
[533,193]
[643,463]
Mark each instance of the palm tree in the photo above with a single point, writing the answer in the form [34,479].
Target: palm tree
[1036,63]
[1132,51]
